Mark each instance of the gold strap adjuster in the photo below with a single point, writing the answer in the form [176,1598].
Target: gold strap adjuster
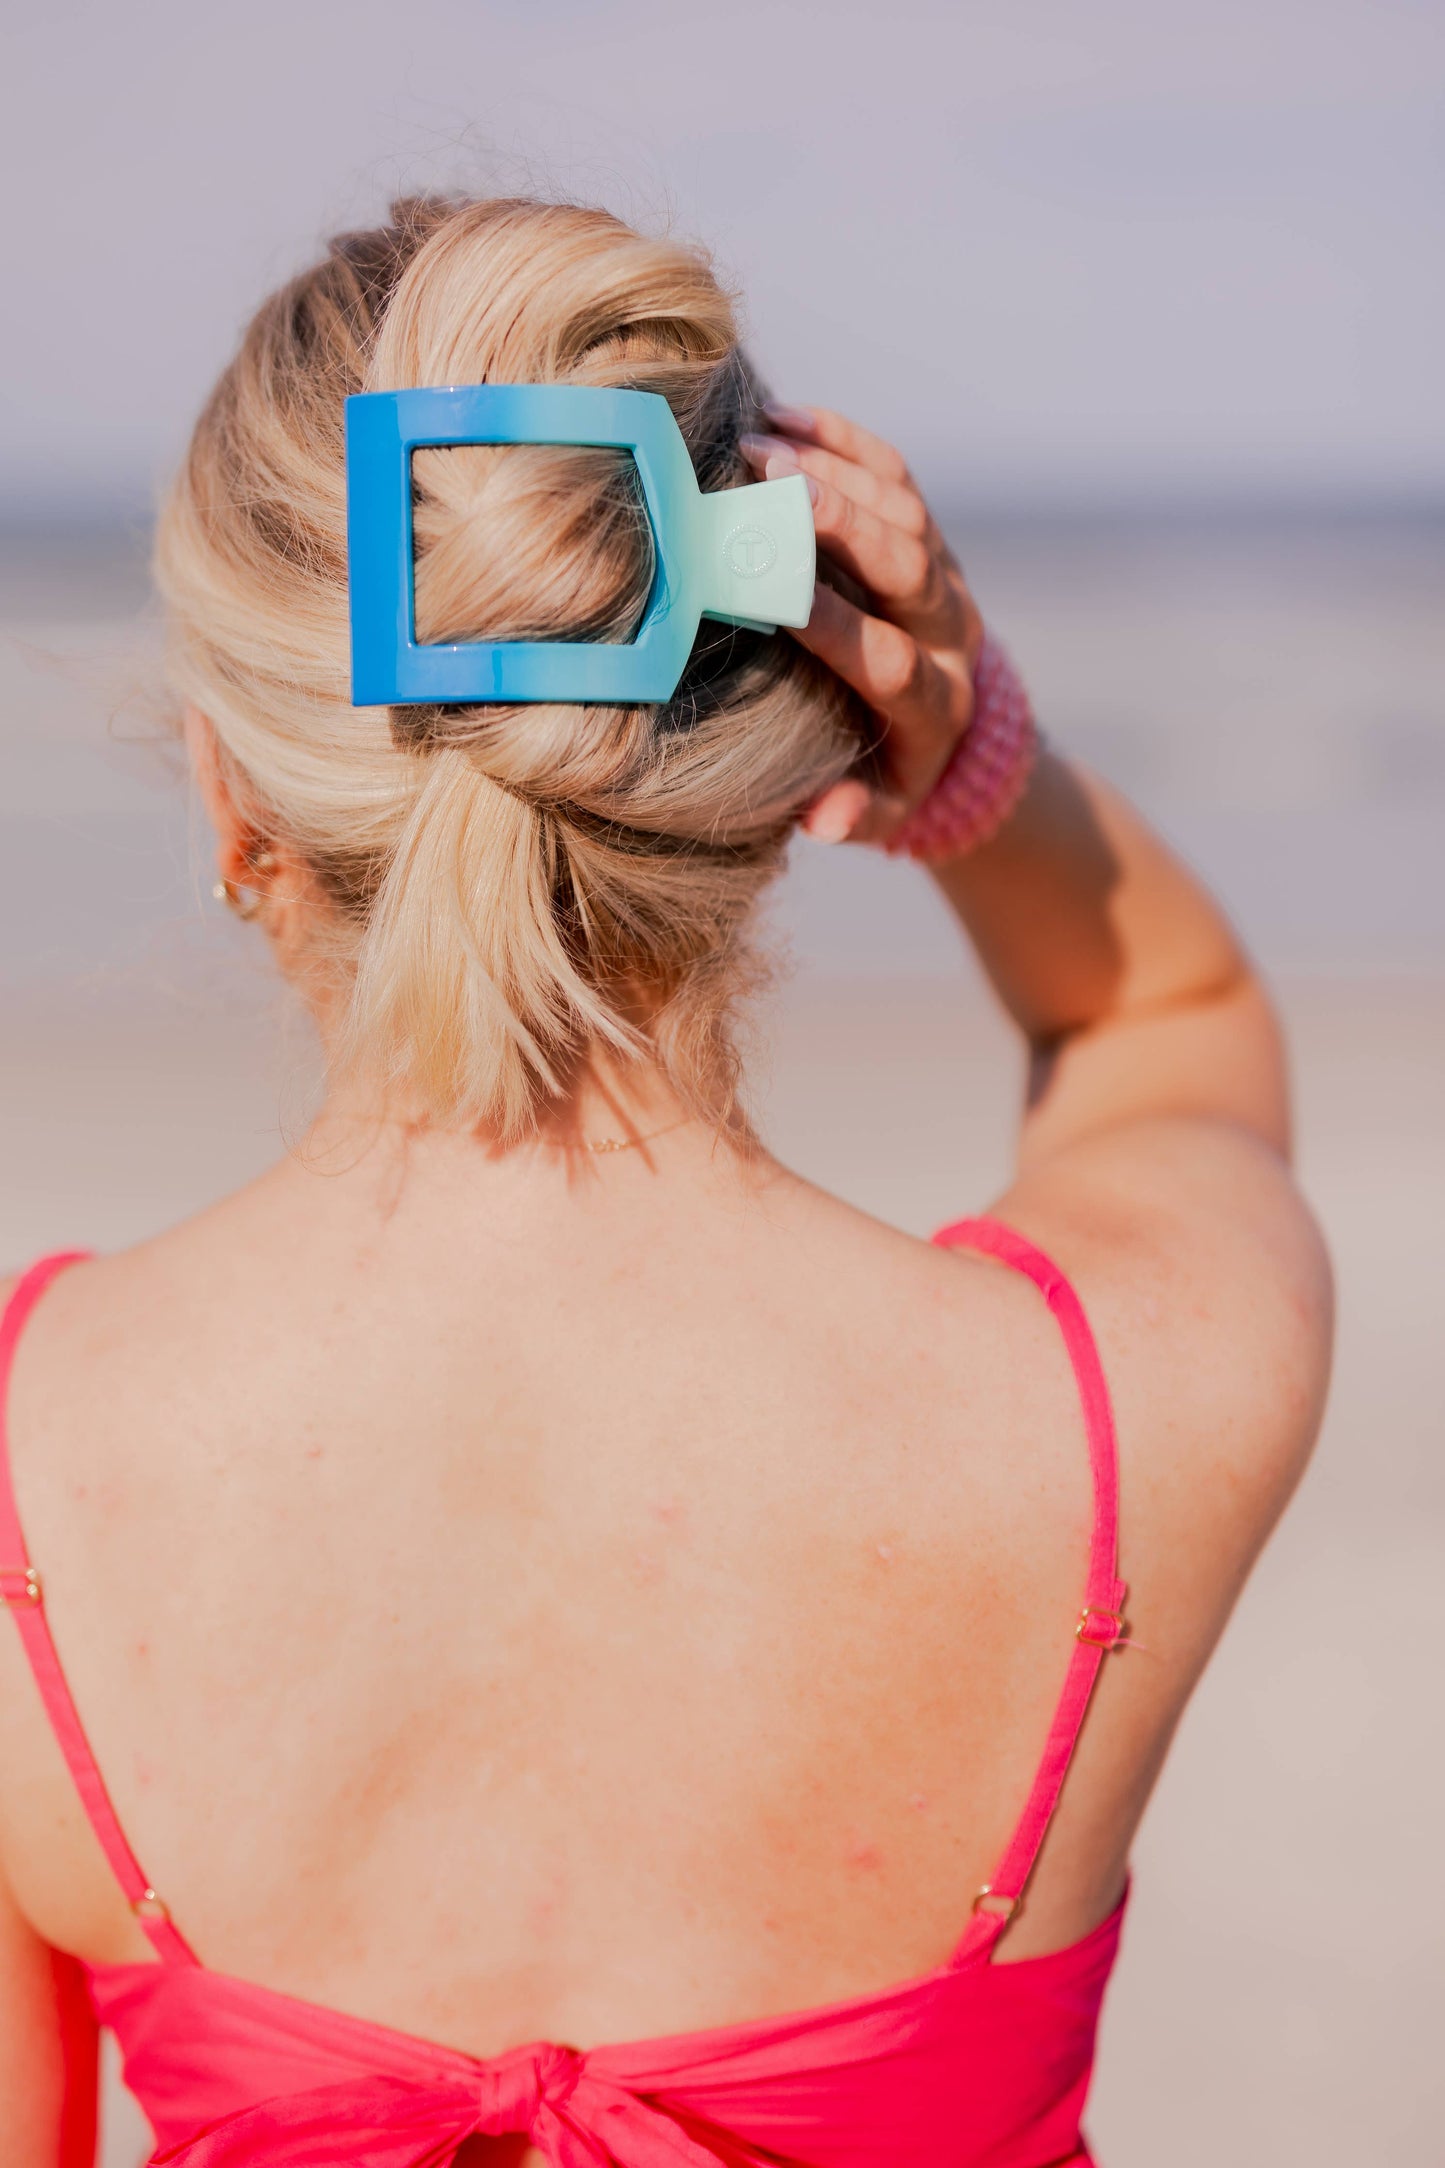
[996,1904]
[29,1589]
[150,1907]
[1111,1640]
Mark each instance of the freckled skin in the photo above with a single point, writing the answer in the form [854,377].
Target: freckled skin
[649,1567]
[548,1905]
[863,1857]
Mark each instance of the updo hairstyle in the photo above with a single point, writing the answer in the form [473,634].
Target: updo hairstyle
[501,891]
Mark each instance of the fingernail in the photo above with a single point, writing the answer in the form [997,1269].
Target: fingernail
[759,448]
[776,460]
[781,463]
[790,417]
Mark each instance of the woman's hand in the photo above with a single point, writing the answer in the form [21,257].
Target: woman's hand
[910,652]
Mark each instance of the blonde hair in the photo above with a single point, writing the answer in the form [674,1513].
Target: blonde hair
[506,889]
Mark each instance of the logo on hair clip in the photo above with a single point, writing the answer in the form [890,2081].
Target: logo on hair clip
[750,552]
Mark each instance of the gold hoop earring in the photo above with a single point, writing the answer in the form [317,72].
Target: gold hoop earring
[245,906]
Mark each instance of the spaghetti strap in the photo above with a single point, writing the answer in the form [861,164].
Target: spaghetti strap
[1100,1626]
[22,1592]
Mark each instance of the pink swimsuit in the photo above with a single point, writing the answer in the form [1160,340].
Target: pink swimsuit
[974,2065]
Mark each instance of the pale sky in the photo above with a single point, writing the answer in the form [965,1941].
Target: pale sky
[1059,249]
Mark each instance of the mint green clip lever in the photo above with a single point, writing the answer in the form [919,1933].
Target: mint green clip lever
[755,552]
[746,556]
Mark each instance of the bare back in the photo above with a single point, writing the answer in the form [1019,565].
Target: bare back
[512,1602]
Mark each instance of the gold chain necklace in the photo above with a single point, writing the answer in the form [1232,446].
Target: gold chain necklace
[627,1144]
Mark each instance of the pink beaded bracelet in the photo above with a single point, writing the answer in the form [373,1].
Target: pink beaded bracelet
[987,771]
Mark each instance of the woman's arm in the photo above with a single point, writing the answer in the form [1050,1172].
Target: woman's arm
[1126,979]
[49,2060]
[48,2051]
[1155,1128]
[1118,966]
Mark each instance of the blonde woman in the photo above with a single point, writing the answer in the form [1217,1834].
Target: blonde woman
[542,1636]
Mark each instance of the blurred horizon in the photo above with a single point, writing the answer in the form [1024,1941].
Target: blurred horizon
[1058,255]
[1267,682]
[120,529]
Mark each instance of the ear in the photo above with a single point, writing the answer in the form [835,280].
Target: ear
[234,837]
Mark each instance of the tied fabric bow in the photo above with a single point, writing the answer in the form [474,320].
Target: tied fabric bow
[576,2119]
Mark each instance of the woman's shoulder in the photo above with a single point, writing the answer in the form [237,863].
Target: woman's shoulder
[13,1280]
[99,1298]
[1207,1283]
[87,1312]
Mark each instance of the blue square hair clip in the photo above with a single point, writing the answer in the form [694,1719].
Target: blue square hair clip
[745,556]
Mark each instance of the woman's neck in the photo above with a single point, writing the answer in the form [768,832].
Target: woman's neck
[615,1134]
